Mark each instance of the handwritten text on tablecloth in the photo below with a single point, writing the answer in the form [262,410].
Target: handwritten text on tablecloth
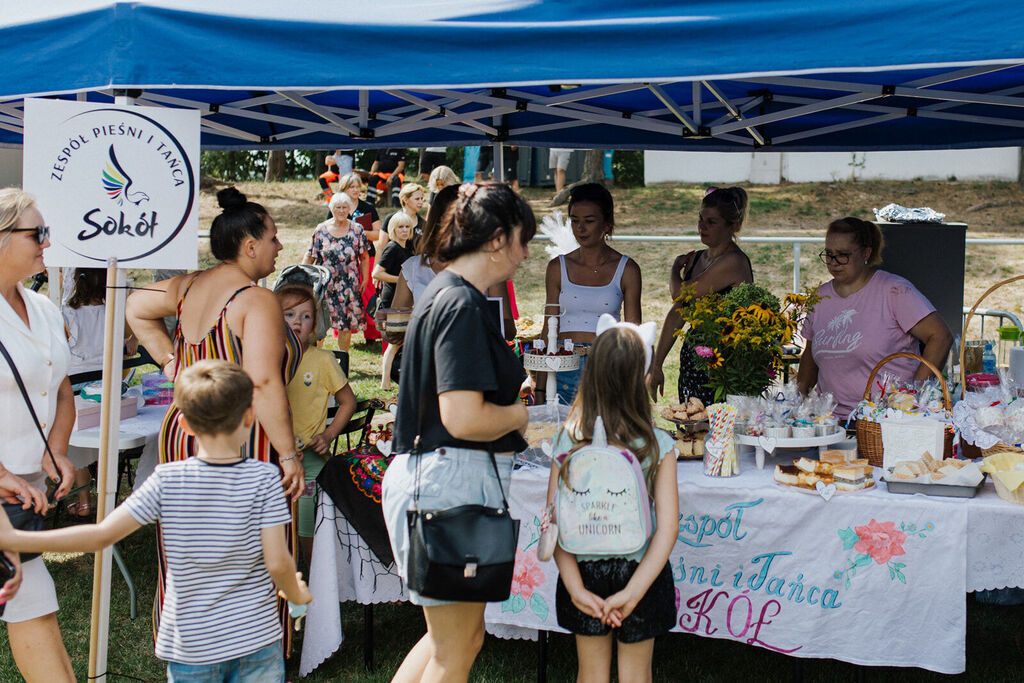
[793,573]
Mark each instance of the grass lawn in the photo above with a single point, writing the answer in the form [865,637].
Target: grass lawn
[992,653]
[789,209]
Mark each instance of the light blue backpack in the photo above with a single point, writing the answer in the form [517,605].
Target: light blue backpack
[605,509]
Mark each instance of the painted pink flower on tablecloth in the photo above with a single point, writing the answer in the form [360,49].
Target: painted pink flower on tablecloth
[881,540]
[527,575]
[704,351]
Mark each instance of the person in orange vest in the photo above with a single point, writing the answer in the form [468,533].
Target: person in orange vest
[387,174]
[326,178]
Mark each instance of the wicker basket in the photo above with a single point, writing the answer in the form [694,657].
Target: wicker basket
[969,450]
[869,434]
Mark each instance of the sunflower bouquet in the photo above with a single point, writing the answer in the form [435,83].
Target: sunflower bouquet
[737,338]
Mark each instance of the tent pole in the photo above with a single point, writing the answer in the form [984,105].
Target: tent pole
[499,162]
[106,478]
[106,475]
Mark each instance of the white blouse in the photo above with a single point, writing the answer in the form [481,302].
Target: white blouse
[40,352]
[85,336]
[417,275]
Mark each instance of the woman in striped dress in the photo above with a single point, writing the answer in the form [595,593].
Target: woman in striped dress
[223,314]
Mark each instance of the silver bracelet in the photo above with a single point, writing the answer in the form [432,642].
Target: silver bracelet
[293,456]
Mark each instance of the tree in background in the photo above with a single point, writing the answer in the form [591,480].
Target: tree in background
[593,172]
[276,161]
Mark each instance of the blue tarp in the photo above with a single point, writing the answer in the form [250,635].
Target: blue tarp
[782,75]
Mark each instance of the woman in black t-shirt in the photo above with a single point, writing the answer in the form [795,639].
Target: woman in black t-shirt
[411,198]
[386,272]
[460,390]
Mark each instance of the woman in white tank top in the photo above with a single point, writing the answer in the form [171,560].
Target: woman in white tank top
[591,280]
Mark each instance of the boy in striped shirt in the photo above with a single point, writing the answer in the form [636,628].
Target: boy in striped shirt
[223,523]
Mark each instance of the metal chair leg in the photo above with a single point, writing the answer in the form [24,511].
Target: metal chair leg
[368,637]
[133,603]
[542,656]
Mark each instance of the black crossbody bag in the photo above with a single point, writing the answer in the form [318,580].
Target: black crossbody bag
[28,520]
[465,553]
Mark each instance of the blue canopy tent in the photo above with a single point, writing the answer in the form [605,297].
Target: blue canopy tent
[720,75]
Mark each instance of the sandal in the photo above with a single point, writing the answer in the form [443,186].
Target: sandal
[80,509]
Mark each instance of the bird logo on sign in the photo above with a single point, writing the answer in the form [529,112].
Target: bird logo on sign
[118,184]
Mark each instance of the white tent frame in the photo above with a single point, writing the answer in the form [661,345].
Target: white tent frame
[477,114]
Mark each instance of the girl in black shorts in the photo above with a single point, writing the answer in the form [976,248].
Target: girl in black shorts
[631,598]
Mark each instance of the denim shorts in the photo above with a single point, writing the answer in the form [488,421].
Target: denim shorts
[569,382]
[312,463]
[448,477]
[266,665]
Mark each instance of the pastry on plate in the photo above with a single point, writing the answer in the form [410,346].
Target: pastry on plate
[813,466]
[852,477]
[787,474]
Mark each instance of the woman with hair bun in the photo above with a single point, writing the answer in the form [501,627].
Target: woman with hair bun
[864,315]
[719,268]
[223,314]
[460,403]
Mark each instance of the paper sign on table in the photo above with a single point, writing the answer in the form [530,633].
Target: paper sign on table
[904,440]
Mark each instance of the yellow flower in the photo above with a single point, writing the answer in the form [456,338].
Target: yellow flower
[716,360]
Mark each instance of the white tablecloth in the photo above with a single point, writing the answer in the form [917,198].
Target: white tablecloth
[755,562]
[146,425]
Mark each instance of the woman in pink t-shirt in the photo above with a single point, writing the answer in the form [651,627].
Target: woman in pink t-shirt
[865,314]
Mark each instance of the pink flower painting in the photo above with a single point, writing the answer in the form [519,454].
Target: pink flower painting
[527,575]
[881,540]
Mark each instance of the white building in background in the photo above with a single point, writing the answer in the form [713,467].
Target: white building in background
[10,168]
[768,168]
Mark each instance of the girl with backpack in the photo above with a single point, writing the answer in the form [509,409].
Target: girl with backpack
[628,596]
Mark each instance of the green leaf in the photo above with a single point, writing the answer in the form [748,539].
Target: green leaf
[898,565]
[900,576]
[849,538]
[847,581]
[892,573]
[506,605]
[536,520]
[863,560]
[516,603]
[539,606]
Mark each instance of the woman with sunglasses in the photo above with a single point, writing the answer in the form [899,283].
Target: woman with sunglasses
[864,315]
[32,331]
[719,268]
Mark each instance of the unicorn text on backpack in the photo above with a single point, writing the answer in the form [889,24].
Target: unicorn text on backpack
[603,507]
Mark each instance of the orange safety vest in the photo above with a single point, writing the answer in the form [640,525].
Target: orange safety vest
[326,179]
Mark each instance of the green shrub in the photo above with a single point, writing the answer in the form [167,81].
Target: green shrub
[628,168]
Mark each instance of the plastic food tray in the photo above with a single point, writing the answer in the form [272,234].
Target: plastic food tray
[947,490]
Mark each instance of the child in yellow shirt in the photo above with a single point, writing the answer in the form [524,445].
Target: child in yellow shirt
[318,377]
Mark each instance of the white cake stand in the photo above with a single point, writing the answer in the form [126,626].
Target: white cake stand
[540,362]
[769,444]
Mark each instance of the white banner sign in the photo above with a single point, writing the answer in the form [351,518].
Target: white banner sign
[114,181]
[873,580]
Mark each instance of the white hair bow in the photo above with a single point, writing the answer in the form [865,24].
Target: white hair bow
[647,332]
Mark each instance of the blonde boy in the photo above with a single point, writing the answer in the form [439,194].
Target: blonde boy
[223,523]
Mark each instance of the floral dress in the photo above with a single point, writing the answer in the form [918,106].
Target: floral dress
[341,256]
